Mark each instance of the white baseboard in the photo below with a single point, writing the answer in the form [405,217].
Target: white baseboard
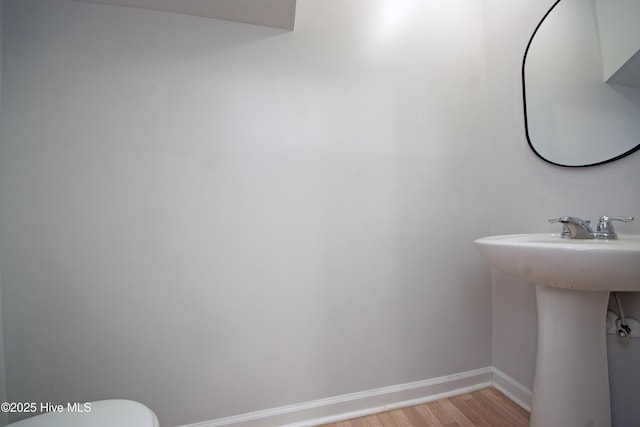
[369,402]
[511,388]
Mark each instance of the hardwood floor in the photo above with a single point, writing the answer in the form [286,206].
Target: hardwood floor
[483,408]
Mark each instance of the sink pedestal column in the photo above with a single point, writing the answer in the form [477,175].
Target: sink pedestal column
[571,385]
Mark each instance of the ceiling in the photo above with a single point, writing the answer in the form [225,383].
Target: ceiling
[270,13]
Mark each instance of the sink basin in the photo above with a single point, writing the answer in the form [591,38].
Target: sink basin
[547,259]
[572,280]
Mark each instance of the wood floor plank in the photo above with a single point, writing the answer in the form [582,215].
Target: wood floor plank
[490,412]
[456,414]
[386,419]
[467,405]
[371,421]
[441,413]
[430,419]
[357,422]
[483,408]
[415,417]
[500,404]
[400,418]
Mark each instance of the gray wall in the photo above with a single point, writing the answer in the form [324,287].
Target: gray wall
[3,383]
[215,218]
[525,191]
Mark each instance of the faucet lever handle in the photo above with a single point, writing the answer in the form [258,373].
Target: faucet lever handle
[605,230]
[606,218]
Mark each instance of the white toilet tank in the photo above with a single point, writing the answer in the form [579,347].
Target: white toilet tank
[102,413]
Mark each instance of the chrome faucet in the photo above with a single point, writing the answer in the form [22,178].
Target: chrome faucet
[576,228]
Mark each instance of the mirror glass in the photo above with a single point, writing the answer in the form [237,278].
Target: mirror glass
[581,82]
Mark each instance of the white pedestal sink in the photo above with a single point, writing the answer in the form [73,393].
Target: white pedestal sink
[573,279]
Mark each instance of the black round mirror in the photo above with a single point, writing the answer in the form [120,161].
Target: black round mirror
[581,83]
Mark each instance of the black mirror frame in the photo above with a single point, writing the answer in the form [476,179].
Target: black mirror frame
[526,120]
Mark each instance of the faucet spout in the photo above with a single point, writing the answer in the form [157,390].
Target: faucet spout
[578,228]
